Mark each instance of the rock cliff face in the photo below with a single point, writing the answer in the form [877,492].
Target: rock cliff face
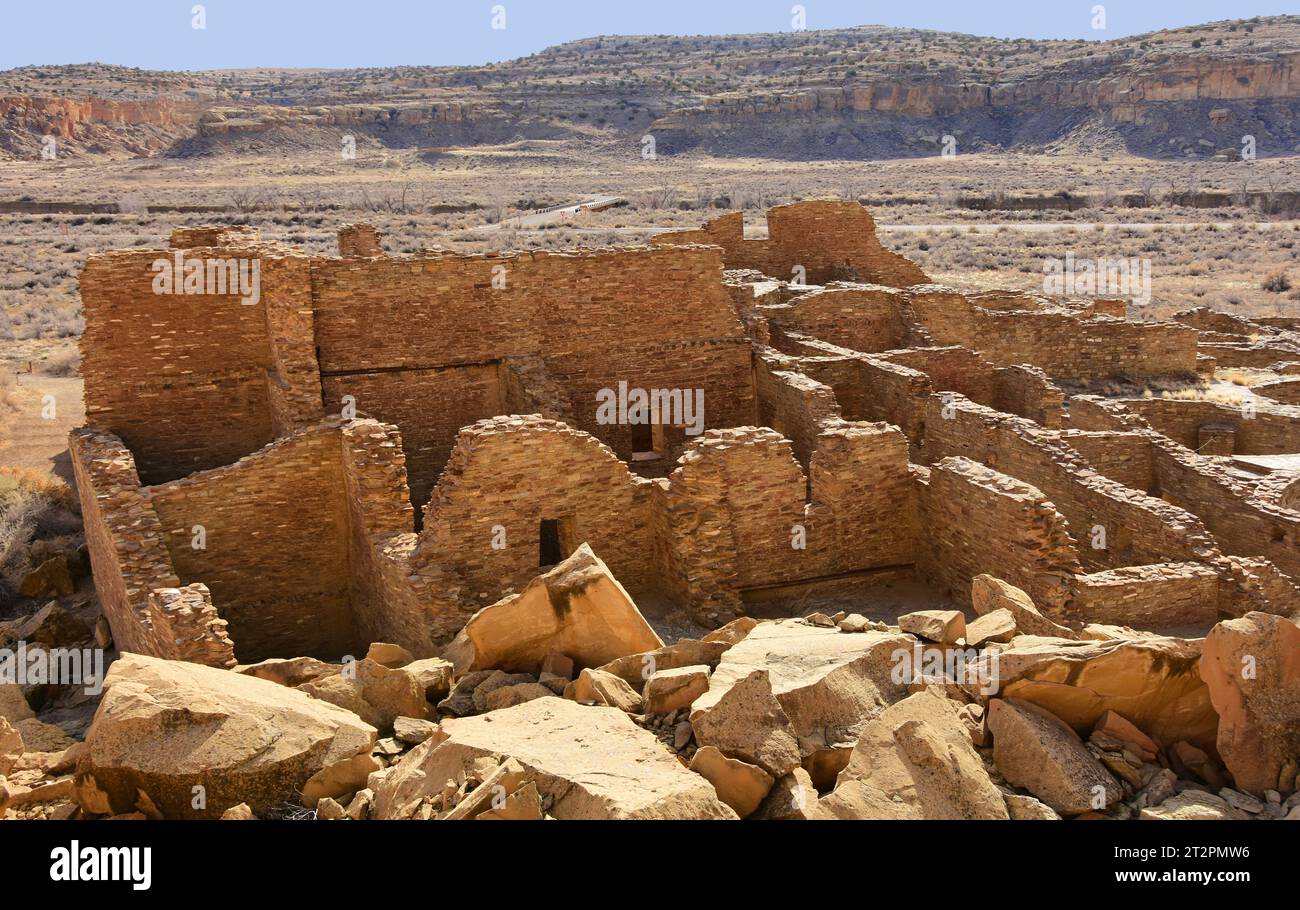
[1211,103]
[859,93]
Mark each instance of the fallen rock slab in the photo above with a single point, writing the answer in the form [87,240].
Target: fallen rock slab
[578,609]
[165,727]
[828,683]
[1036,751]
[740,785]
[915,761]
[587,762]
[1154,682]
[668,690]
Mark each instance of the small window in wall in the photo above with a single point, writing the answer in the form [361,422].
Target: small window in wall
[555,542]
[549,549]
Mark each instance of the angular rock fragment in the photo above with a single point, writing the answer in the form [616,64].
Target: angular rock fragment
[1036,751]
[668,690]
[1252,668]
[943,626]
[740,785]
[578,609]
[915,760]
[165,727]
[587,762]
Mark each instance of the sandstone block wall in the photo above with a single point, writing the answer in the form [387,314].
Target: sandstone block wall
[832,240]
[1137,529]
[275,547]
[1171,595]
[141,596]
[977,521]
[1272,430]
[865,318]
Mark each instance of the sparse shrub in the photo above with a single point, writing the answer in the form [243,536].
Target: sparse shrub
[1276,283]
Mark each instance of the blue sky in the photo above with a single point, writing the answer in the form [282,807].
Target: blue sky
[157,34]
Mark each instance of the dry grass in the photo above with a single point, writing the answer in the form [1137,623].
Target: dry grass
[38,518]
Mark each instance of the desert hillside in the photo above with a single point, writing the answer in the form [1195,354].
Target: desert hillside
[868,92]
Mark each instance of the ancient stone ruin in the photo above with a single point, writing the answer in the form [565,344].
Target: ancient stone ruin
[436,461]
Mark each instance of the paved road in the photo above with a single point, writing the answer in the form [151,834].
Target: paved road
[556,214]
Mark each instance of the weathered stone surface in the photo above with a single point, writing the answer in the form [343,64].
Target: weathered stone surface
[1026,808]
[746,721]
[591,762]
[343,778]
[791,797]
[827,683]
[635,669]
[1252,668]
[915,760]
[943,626]
[1036,751]
[1193,805]
[50,579]
[240,813]
[1154,682]
[164,727]
[52,626]
[668,690]
[388,654]
[596,687]
[740,785]
[509,696]
[292,672]
[997,626]
[11,747]
[412,730]
[374,692]
[434,673]
[13,704]
[989,594]
[578,608]
[39,736]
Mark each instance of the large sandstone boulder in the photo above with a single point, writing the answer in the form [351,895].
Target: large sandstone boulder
[1036,751]
[915,760]
[828,683]
[1153,681]
[586,762]
[747,722]
[375,693]
[1252,668]
[989,594]
[165,727]
[578,609]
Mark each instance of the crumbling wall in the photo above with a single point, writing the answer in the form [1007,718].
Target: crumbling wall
[180,378]
[1171,595]
[1270,430]
[865,318]
[269,537]
[793,405]
[505,476]
[1026,391]
[979,521]
[1062,344]
[146,607]
[832,240]
[1114,525]
[1124,457]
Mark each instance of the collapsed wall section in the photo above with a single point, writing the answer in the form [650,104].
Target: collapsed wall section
[269,536]
[829,240]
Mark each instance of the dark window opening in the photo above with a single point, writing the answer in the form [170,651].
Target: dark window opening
[643,438]
[549,552]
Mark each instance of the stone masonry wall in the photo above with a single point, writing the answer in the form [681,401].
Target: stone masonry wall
[832,240]
[275,547]
[978,521]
